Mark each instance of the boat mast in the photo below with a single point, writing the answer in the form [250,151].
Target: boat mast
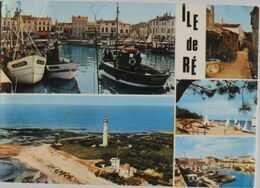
[117,13]
[0,26]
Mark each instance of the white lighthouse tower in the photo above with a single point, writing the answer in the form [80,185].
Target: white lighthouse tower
[105,132]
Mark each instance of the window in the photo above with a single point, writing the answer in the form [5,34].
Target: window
[40,62]
[106,30]
[20,64]
[126,31]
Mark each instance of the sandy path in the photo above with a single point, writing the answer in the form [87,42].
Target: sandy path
[239,69]
[61,167]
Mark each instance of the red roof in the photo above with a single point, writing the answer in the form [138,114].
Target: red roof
[79,18]
[111,21]
[227,25]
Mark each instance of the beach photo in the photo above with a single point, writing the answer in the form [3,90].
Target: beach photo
[216,107]
[87,47]
[232,36]
[91,140]
[215,162]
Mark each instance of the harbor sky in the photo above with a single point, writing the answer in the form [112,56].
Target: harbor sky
[131,13]
[200,147]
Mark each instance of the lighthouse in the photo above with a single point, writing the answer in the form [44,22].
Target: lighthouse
[105,132]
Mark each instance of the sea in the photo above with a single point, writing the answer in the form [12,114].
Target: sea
[85,80]
[90,118]
[242,180]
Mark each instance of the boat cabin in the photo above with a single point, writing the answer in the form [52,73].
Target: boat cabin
[127,58]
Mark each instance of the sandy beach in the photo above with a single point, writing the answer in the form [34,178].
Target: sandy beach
[195,127]
[60,166]
[9,150]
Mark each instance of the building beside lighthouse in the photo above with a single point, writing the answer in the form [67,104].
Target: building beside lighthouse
[105,132]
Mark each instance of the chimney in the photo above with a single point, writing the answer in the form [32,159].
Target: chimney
[105,132]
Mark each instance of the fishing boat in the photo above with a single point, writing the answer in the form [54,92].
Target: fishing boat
[162,48]
[228,179]
[125,66]
[57,67]
[24,61]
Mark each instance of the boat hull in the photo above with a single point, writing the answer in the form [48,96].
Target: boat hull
[27,70]
[65,71]
[132,78]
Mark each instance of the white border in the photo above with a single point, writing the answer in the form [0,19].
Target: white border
[224,2]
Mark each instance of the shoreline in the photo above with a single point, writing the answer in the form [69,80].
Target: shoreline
[61,167]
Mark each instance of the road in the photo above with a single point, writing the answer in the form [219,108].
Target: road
[238,69]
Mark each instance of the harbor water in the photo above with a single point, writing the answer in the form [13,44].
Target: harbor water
[9,170]
[85,80]
[242,180]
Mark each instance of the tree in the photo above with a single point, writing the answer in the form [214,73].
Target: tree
[227,88]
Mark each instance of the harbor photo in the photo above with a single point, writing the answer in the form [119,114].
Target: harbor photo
[215,161]
[232,36]
[216,107]
[87,47]
[93,140]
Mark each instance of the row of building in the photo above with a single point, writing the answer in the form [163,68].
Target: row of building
[211,160]
[161,28]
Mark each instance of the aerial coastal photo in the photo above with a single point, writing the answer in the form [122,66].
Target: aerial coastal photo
[203,161]
[232,35]
[87,47]
[216,107]
[93,140]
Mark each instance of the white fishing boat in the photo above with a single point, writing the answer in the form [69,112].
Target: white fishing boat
[27,70]
[64,70]
[254,120]
[24,61]
[59,68]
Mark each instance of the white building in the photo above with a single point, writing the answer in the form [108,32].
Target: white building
[107,28]
[115,163]
[79,26]
[162,28]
